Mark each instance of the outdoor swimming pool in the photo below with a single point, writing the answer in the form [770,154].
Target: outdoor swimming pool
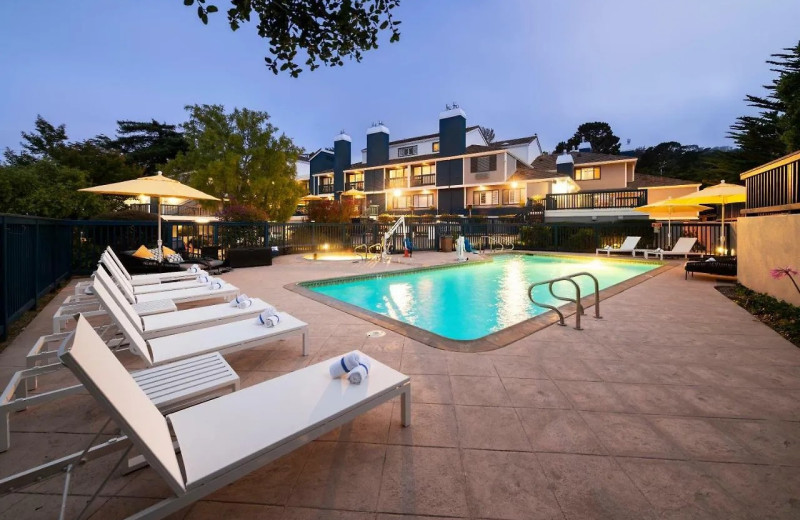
[472,301]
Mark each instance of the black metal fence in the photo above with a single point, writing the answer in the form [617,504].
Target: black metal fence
[36,253]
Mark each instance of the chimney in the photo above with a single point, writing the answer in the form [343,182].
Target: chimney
[565,164]
[452,131]
[377,144]
[342,145]
[585,146]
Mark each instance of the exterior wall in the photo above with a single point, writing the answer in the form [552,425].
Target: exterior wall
[373,180]
[502,209]
[377,199]
[321,162]
[612,176]
[764,243]
[377,148]
[452,133]
[497,175]
[537,189]
[630,171]
[593,215]
[450,173]
[302,171]
[526,152]
[341,162]
[475,137]
[424,147]
[659,194]
[451,201]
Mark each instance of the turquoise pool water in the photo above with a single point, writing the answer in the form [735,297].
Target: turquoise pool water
[472,301]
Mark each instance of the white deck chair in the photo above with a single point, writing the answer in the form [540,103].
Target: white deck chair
[158,325]
[222,440]
[628,246]
[683,247]
[119,277]
[148,279]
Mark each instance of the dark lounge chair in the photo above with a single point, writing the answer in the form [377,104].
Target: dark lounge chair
[723,266]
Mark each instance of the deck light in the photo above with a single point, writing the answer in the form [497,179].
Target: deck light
[514,184]
[325,247]
[397,193]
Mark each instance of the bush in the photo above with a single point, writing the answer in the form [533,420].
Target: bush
[536,237]
[386,218]
[241,213]
[583,240]
[782,317]
[331,211]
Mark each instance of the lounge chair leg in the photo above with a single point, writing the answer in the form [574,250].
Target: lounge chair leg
[305,342]
[5,431]
[405,406]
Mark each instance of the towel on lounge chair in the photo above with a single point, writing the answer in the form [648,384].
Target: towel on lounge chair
[88,290]
[711,259]
[269,317]
[242,301]
[214,284]
[203,278]
[344,364]
[194,269]
[360,372]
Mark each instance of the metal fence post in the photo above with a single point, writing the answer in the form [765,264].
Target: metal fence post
[36,260]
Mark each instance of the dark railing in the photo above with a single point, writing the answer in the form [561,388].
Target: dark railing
[774,189]
[423,180]
[596,199]
[354,185]
[35,256]
[326,188]
[182,210]
[397,182]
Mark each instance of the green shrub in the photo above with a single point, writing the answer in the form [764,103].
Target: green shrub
[782,317]
[536,237]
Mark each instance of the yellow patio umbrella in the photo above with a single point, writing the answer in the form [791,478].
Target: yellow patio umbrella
[153,186]
[309,198]
[722,193]
[356,194]
[670,208]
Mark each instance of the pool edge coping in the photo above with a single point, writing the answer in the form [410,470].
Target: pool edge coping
[488,343]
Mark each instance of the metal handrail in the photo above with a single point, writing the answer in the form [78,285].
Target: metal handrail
[577,301]
[357,250]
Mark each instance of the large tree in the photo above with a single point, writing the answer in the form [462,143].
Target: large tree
[42,143]
[597,133]
[327,31]
[690,162]
[241,157]
[148,144]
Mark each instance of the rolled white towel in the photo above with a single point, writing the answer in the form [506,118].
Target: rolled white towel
[360,372]
[711,259]
[195,269]
[269,317]
[214,284]
[344,364]
[203,278]
[89,290]
[659,250]
[240,300]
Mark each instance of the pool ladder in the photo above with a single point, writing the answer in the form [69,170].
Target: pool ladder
[363,250]
[491,242]
[577,301]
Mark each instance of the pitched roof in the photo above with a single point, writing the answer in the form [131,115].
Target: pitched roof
[548,162]
[473,148]
[527,173]
[643,180]
[513,142]
[427,136]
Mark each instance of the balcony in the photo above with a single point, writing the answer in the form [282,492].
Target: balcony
[354,185]
[423,180]
[182,210]
[397,182]
[774,187]
[608,199]
[325,188]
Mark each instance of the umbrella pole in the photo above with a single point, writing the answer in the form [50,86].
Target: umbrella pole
[722,231]
[159,241]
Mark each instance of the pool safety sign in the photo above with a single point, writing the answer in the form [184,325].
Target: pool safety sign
[657,227]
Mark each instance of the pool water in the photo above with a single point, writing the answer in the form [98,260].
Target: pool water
[473,301]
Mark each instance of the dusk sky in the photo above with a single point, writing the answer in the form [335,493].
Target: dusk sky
[655,71]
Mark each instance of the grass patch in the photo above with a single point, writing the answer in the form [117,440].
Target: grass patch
[782,317]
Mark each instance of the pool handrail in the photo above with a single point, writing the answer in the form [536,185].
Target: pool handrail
[577,301]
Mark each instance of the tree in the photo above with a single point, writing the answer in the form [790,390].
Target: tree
[239,156]
[40,144]
[598,134]
[326,30]
[148,144]
[487,133]
[101,164]
[690,162]
[332,211]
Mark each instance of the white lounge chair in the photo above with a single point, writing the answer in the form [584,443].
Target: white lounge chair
[222,440]
[628,246]
[148,279]
[119,277]
[155,326]
[683,247]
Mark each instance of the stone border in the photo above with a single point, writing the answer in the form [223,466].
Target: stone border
[487,343]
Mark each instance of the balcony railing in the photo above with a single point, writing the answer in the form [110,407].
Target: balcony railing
[775,189]
[326,188]
[354,185]
[597,200]
[397,182]
[423,180]
[184,210]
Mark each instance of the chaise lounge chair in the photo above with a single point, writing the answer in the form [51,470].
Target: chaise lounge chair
[223,440]
[683,247]
[119,277]
[628,246]
[721,266]
[148,279]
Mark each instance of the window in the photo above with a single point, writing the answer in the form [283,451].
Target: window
[402,202]
[397,173]
[587,174]
[423,201]
[425,169]
[355,177]
[435,146]
[405,151]
[486,163]
[512,196]
[486,198]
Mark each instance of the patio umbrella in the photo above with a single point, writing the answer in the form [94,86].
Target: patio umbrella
[309,198]
[670,208]
[722,193]
[356,194]
[153,186]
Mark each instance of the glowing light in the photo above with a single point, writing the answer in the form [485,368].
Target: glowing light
[397,193]
[325,247]
[514,184]
[481,187]
[203,220]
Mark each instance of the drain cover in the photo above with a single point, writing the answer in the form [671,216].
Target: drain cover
[376,334]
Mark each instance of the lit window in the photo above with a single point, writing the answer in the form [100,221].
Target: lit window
[587,174]
[405,151]
[486,198]
[423,201]
[436,147]
[512,196]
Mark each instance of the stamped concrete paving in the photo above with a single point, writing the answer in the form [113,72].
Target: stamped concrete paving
[677,404]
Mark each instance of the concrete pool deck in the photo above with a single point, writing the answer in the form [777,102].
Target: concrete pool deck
[677,404]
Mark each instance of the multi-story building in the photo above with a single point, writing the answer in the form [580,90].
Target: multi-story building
[455,171]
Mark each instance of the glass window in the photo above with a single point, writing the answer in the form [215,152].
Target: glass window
[435,146]
[355,177]
[423,201]
[587,174]
[486,198]
[512,196]
[425,169]
[405,151]
[397,172]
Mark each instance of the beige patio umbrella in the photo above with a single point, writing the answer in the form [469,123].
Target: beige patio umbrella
[670,208]
[152,186]
[309,198]
[722,193]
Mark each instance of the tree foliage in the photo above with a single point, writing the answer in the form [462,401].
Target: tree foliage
[690,162]
[327,31]
[148,144]
[239,157]
[487,133]
[332,211]
[597,133]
